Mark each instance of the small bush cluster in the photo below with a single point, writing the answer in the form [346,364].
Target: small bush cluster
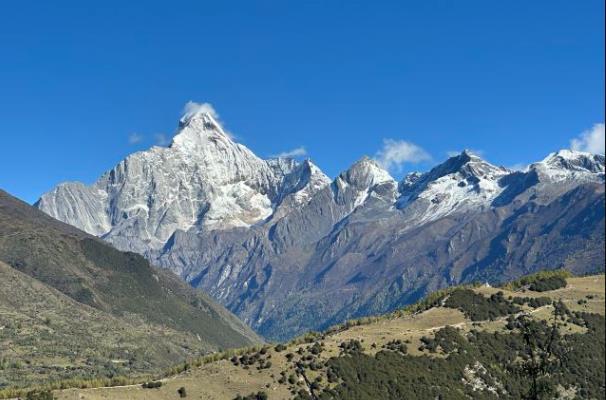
[210,358]
[448,339]
[316,348]
[253,396]
[547,284]
[504,360]
[397,346]
[544,276]
[534,302]
[308,358]
[280,348]
[308,337]
[478,307]
[261,358]
[351,347]
[39,395]
[152,385]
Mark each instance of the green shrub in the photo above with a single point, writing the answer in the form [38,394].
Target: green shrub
[526,281]
[478,307]
[152,385]
[395,345]
[39,395]
[546,284]
[351,346]
[534,302]
[505,358]
[253,396]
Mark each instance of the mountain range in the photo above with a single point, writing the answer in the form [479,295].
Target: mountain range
[287,249]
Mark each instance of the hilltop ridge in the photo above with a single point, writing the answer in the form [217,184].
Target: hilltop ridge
[464,340]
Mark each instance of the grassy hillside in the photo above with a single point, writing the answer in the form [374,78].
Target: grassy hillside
[468,342]
[73,307]
[47,336]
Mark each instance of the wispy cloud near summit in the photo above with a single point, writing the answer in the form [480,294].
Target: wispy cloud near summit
[192,108]
[296,152]
[161,139]
[395,153]
[591,140]
[135,138]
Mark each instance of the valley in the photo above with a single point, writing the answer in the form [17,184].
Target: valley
[285,378]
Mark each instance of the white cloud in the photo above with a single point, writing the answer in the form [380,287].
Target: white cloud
[135,138]
[395,153]
[161,139]
[192,108]
[518,167]
[297,152]
[591,141]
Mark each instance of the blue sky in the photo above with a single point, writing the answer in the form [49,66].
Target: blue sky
[79,83]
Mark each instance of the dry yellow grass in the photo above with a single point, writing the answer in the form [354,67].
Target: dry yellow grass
[223,381]
[576,289]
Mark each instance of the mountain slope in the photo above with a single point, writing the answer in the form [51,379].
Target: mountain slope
[203,181]
[47,336]
[279,244]
[358,247]
[466,343]
[82,286]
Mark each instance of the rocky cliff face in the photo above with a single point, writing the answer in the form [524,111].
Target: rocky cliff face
[289,250]
[202,181]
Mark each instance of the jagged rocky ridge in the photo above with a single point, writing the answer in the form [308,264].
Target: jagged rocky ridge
[203,181]
[288,250]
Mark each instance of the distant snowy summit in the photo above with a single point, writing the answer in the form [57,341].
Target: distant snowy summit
[204,180]
[288,250]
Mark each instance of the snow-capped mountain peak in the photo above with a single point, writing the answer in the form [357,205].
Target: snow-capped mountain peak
[302,178]
[253,232]
[469,165]
[465,169]
[206,181]
[200,129]
[573,161]
[464,181]
[203,181]
[410,180]
[193,111]
[568,166]
[366,173]
[300,182]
